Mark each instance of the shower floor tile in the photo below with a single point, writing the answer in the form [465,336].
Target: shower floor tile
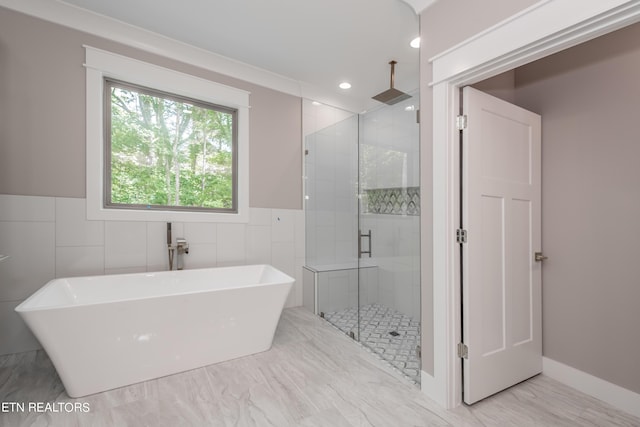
[389,334]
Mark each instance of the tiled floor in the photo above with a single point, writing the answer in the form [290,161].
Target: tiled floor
[389,334]
[313,375]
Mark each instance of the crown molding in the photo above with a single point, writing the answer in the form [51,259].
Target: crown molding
[419,5]
[61,13]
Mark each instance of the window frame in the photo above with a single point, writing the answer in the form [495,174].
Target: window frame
[108,84]
[101,65]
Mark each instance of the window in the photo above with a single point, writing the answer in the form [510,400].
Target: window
[164,151]
[163,145]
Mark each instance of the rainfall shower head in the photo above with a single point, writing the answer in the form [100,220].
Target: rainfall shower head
[392,96]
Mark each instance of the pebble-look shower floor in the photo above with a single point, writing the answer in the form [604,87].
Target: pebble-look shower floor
[389,334]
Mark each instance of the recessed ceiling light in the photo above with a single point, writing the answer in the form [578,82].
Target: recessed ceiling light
[415,43]
[345,85]
[316,103]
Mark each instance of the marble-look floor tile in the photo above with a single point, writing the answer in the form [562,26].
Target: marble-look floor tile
[326,418]
[313,375]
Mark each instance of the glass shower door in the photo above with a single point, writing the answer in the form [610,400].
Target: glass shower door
[362,226]
[389,235]
[331,211]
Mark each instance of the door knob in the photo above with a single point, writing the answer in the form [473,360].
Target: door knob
[539,257]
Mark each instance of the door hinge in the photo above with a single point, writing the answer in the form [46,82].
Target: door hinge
[418,116]
[461,235]
[463,351]
[461,122]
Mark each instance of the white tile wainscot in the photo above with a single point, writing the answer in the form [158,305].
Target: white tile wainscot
[49,237]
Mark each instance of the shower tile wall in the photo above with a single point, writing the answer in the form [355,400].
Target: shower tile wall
[389,158]
[339,288]
[48,237]
[396,249]
[389,152]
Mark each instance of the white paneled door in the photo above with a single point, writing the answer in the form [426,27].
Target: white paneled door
[501,291]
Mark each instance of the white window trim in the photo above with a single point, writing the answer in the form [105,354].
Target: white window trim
[100,64]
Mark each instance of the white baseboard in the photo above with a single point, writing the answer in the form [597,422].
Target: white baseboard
[428,387]
[610,393]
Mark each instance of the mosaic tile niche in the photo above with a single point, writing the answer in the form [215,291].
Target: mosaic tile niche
[393,201]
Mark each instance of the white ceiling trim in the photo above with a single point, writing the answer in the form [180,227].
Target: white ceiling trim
[537,27]
[71,16]
[419,5]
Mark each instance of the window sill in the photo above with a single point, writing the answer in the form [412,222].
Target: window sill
[99,213]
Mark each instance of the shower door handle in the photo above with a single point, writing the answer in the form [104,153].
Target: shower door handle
[360,236]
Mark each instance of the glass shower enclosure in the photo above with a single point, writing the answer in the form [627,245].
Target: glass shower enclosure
[362,207]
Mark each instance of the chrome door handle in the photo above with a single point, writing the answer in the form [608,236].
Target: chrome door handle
[539,257]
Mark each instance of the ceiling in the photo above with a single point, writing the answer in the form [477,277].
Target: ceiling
[318,43]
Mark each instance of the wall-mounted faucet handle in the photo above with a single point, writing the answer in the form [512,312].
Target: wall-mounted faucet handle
[182,245]
[182,248]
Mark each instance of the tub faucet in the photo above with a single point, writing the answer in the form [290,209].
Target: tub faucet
[182,249]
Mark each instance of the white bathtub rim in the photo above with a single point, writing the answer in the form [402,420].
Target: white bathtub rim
[23,307]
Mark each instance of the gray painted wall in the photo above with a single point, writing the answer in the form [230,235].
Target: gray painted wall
[589,97]
[42,116]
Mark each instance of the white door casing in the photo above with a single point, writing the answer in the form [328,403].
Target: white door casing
[545,28]
[502,312]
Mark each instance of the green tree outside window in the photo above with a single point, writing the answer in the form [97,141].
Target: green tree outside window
[168,152]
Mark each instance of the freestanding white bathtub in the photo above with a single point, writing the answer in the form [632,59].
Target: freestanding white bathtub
[104,332]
